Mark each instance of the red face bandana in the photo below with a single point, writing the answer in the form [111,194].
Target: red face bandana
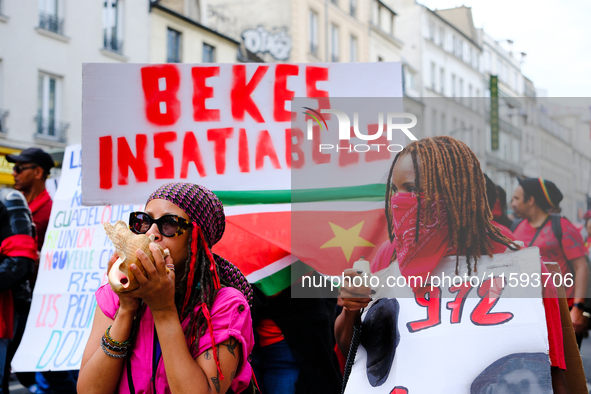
[418,258]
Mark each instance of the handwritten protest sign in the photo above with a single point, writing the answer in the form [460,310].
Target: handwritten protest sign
[72,267]
[243,131]
[457,338]
[225,126]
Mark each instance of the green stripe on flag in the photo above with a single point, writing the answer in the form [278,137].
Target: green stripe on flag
[275,283]
[372,192]
[282,279]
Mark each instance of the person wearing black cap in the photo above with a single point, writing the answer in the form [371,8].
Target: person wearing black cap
[30,172]
[532,201]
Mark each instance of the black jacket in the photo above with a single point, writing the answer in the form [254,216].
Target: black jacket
[15,218]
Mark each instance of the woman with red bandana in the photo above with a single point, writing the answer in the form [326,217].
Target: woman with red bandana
[439,180]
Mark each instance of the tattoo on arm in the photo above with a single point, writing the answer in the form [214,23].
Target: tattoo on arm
[231,345]
[207,356]
[232,376]
[216,382]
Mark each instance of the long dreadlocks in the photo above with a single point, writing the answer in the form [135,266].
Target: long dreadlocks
[204,272]
[451,172]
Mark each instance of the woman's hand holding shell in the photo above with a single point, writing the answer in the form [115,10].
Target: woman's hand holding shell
[157,287]
[126,302]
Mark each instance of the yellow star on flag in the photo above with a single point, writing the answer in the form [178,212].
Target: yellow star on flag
[347,240]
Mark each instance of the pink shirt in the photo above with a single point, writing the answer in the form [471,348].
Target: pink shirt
[230,315]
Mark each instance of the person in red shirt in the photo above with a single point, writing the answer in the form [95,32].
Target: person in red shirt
[30,172]
[587,231]
[532,200]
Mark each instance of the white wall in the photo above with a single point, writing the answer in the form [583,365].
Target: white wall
[24,52]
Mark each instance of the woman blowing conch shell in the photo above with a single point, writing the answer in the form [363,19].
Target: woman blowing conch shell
[178,330]
[126,242]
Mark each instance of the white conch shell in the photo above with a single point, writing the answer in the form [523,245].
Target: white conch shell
[126,243]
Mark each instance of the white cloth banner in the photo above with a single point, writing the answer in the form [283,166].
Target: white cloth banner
[229,127]
[73,265]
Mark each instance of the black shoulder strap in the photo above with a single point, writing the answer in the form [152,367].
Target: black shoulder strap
[557,228]
[129,378]
[539,230]
[514,224]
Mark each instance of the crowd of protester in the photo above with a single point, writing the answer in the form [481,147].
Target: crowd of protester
[197,316]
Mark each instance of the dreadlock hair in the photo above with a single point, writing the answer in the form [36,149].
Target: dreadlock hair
[204,272]
[451,172]
[197,286]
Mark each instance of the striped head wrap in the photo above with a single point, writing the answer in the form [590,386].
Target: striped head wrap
[202,206]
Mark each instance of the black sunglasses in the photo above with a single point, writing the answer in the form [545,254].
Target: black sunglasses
[20,168]
[168,225]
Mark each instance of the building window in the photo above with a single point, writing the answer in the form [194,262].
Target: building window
[112,26]
[409,82]
[461,89]
[392,25]
[173,52]
[459,47]
[442,80]
[443,128]
[433,84]
[432,31]
[353,7]
[49,17]
[441,37]
[313,34]
[3,115]
[48,126]
[353,50]
[208,53]
[453,85]
[375,13]
[334,43]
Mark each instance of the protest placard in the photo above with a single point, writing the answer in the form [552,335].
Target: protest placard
[457,338]
[73,265]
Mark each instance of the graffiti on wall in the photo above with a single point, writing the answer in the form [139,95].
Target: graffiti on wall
[260,40]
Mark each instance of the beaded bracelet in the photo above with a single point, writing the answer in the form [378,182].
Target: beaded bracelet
[113,342]
[112,347]
[111,354]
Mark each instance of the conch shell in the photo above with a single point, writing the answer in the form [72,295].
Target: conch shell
[121,278]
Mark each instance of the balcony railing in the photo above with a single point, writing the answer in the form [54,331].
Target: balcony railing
[51,129]
[3,115]
[51,22]
[113,44]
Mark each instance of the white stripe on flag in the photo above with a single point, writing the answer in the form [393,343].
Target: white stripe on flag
[271,268]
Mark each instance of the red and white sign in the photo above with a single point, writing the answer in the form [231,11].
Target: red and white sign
[225,126]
